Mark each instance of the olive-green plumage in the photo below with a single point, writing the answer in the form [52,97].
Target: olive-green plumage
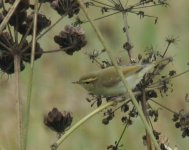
[107,82]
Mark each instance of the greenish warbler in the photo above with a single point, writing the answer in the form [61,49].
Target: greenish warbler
[107,82]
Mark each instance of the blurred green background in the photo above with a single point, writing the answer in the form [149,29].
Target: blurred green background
[54,74]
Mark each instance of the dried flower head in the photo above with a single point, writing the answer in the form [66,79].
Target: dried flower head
[7,64]
[17,18]
[42,22]
[109,115]
[58,121]
[26,26]
[72,39]
[9,48]
[184,124]
[181,120]
[66,7]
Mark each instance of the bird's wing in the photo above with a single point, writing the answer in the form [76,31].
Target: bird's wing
[130,70]
[114,78]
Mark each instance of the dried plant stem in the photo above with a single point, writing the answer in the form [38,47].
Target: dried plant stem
[144,109]
[80,122]
[103,17]
[8,16]
[19,101]
[124,129]
[51,51]
[166,108]
[126,26]
[31,75]
[57,50]
[166,49]
[148,128]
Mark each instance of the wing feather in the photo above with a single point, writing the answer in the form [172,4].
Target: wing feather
[114,78]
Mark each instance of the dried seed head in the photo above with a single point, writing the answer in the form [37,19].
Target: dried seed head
[7,64]
[72,39]
[58,121]
[125,107]
[8,49]
[66,7]
[127,46]
[42,22]
[184,121]
[172,73]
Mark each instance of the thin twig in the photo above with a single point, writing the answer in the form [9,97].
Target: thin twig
[168,78]
[16,30]
[103,17]
[140,7]
[9,14]
[129,100]
[166,108]
[99,64]
[4,9]
[25,36]
[57,50]
[51,51]
[27,33]
[124,129]
[143,15]
[5,46]
[110,6]
[127,34]
[168,44]
[126,25]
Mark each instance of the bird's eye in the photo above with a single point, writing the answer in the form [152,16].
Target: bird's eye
[87,82]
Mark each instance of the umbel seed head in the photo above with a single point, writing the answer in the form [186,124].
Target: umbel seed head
[58,121]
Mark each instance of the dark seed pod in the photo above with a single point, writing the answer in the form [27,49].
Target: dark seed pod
[7,64]
[58,121]
[42,23]
[72,39]
[66,7]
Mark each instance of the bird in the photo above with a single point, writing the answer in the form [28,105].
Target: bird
[107,82]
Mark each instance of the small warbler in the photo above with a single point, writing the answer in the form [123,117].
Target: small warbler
[107,82]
